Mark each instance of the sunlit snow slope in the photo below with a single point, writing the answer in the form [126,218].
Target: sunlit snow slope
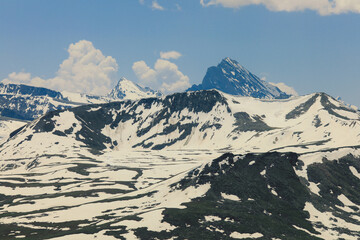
[183,195]
[8,125]
[193,120]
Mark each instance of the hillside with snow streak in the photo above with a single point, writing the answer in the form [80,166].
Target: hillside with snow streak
[183,194]
[193,120]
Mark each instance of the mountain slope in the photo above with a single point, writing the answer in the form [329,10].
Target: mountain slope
[8,125]
[232,78]
[28,107]
[267,196]
[194,120]
[261,196]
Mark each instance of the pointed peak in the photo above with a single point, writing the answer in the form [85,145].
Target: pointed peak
[123,79]
[124,83]
[127,89]
[232,78]
[229,61]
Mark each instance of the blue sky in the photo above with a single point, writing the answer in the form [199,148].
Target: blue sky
[308,47]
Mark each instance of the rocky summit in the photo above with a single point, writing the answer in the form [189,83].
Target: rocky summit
[232,78]
[126,89]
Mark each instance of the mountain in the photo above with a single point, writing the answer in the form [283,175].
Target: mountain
[20,89]
[230,167]
[202,120]
[232,78]
[27,102]
[126,89]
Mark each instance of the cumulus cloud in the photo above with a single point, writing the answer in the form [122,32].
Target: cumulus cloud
[21,77]
[86,70]
[165,76]
[323,7]
[170,55]
[156,6]
[285,88]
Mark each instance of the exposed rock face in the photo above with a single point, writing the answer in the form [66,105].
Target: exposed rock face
[232,78]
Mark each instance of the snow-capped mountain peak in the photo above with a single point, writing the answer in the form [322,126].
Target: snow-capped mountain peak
[233,64]
[232,78]
[130,90]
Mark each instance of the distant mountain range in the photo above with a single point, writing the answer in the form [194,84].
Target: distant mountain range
[232,78]
[27,102]
[231,166]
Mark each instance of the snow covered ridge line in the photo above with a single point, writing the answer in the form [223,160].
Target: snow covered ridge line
[20,89]
[206,119]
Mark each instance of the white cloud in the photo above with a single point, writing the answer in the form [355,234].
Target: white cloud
[285,88]
[165,76]
[142,2]
[323,7]
[86,70]
[170,55]
[144,73]
[156,6]
[21,77]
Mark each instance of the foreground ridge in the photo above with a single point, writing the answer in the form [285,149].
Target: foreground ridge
[263,195]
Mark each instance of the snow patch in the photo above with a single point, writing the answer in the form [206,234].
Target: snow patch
[354,171]
[212,218]
[230,197]
[237,235]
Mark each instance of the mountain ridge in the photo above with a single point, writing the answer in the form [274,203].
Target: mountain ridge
[25,102]
[207,119]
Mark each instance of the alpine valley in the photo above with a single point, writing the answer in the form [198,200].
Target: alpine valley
[232,158]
